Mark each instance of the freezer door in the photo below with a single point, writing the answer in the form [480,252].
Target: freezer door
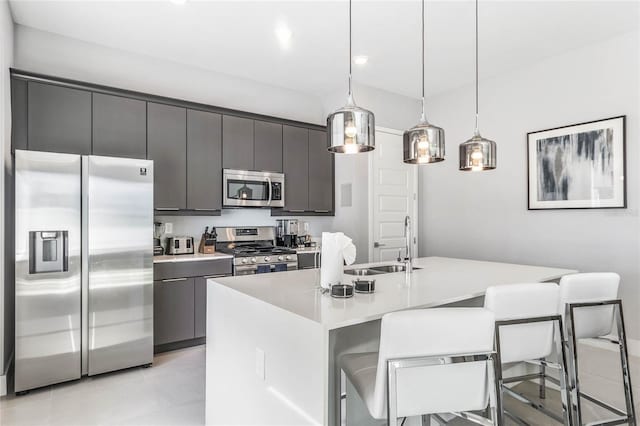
[119,230]
[47,268]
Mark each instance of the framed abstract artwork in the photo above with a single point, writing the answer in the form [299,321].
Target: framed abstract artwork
[581,166]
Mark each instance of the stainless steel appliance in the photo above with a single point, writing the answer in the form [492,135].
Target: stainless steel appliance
[254,251]
[180,245]
[241,188]
[83,266]
[287,232]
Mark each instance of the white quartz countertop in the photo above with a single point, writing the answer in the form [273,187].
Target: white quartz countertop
[440,281]
[190,257]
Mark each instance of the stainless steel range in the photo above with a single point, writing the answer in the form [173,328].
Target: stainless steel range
[254,250]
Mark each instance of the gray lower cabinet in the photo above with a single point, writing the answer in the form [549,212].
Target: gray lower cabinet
[200,307]
[204,161]
[321,185]
[180,300]
[173,306]
[58,119]
[295,164]
[119,126]
[268,146]
[237,143]
[167,147]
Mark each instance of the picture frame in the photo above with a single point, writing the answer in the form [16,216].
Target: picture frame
[578,166]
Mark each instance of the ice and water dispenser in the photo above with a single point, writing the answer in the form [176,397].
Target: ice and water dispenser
[48,251]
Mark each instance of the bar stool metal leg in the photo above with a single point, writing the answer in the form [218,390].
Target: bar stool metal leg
[628,417]
[542,388]
[563,382]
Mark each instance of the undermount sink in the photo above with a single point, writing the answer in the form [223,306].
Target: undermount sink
[376,270]
[362,271]
[390,268]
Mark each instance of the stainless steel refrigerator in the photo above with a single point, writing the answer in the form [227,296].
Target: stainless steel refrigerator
[83,266]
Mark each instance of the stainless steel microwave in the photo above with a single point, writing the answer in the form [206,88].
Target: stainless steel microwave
[242,188]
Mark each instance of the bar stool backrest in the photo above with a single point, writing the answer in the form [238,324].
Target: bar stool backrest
[524,342]
[590,287]
[441,387]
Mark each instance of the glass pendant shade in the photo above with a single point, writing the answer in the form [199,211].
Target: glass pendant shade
[351,129]
[423,144]
[477,154]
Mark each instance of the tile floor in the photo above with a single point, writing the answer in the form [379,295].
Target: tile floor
[172,393]
[169,393]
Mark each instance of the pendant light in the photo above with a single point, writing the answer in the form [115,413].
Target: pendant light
[351,128]
[478,153]
[424,142]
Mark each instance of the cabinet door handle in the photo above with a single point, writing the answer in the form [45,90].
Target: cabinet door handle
[173,280]
[296,211]
[321,211]
[206,210]
[168,208]
[216,276]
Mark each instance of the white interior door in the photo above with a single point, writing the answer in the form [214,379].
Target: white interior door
[392,196]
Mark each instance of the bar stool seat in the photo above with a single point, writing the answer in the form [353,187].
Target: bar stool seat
[430,361]
[361,368]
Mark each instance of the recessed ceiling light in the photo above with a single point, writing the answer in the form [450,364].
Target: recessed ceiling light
[284,34]
[178,2]
[360,59]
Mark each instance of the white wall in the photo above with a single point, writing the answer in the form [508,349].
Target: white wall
[56,55]
[484,215]
[6,61]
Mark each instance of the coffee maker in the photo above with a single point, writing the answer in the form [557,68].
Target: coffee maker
[287,232]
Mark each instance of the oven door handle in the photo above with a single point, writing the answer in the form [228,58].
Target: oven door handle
[269,184]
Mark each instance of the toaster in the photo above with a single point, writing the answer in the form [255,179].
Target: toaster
[180,245]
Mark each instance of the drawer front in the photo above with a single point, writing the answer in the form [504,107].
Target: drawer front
[200,268]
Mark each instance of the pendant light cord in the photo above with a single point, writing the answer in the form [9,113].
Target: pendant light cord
[350,60]
[477,131]
[424,117]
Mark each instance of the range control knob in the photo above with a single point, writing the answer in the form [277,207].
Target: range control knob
[280,258]
[253,260]
[288,257]
[266,258]
[244,260]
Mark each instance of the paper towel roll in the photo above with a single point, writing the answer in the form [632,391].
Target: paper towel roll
[337,249]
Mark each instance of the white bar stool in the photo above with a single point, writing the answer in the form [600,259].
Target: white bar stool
[526,316]
[430,361]
[590,306]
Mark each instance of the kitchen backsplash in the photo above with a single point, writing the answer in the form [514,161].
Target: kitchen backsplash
[193,226]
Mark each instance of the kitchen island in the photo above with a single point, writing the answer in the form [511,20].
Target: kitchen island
[273,339]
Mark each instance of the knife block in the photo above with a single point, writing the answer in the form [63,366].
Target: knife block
[207,245]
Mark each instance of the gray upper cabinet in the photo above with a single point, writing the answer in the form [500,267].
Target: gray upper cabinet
[320,173]
[268,146]
[295,164]
[237,143]
[204,162]
[19,114]
[119,126]
[167,147]
[59,119]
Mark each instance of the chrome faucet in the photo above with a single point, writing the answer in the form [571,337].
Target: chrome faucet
[408,260]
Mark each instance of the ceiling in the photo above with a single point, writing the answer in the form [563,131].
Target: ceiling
[238,37]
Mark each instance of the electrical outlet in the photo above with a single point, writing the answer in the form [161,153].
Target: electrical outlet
[260,363]
[168,228]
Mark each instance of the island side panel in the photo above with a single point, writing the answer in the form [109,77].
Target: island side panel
[292,391]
